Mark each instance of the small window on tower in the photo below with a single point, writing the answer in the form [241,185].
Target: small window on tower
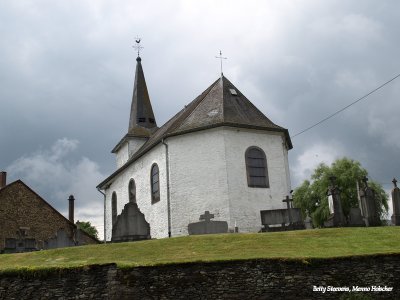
[141,120]
[152,121]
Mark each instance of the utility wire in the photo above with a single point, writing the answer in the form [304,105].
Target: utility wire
[344,108]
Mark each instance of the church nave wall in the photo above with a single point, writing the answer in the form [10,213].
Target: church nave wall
[155,214]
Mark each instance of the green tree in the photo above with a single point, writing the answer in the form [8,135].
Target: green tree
[311,195]
[88,228]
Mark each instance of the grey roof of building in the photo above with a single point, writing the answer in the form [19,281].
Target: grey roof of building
[222,104]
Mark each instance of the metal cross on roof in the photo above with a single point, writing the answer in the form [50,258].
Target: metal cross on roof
[394,182]
[137,47]
[221,58]
[207,216]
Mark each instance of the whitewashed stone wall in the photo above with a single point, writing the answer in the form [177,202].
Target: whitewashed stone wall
[246,202]
[155,214]
[122,155]
[135,144]
[207,171]
[128,148]
[198,179]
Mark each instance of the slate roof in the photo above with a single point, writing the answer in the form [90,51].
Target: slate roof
[141,121]
[222,104]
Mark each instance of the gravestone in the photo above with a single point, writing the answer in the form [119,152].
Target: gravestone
[308,222]
[207,226]
[130,225]
[355,218]
[368,205]
[335,219]
[272,217]
[396,204]
[288,219]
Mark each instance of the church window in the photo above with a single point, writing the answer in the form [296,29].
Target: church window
[152,121]
[141,120]
[155,184]
[132,191]
[256,167]
[114,207]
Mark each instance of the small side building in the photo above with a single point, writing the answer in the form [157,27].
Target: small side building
[29,223]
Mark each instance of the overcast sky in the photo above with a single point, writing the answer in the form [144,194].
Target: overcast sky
[67,68]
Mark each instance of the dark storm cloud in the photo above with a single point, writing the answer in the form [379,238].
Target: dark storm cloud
[66,74]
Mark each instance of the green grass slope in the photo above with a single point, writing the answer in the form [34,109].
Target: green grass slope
[318,243]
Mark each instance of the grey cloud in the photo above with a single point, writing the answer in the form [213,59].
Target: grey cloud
[66,69]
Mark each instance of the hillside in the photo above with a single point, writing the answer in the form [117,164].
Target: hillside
[318,243]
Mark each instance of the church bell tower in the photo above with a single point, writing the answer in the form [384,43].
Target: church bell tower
[142,123]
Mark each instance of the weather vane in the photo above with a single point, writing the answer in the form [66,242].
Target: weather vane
[137,47]
[221,58]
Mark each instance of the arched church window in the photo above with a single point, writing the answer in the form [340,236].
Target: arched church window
[256,167]
[132,191]
[114,207]
[155,184]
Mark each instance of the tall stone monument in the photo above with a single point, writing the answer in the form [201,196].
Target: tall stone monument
[396,204]
[336,217]
[368,205]
[130,225]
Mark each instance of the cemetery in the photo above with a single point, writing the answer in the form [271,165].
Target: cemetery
[286,259]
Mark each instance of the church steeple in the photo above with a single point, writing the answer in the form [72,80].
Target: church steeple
[142,120]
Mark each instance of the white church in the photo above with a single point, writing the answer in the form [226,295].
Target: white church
[218,154]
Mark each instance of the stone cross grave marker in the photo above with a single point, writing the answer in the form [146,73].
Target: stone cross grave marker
[207,216]
[206,226]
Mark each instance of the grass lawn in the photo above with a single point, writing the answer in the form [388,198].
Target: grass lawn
[318,243]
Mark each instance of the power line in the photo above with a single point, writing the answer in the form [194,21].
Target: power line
[344,108]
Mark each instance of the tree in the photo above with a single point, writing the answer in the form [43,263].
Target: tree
[88,228]
[311,195]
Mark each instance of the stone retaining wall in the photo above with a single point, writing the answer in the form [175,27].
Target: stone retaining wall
[251,279]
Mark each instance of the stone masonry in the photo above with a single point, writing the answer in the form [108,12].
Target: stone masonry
[251,279]
[22,211]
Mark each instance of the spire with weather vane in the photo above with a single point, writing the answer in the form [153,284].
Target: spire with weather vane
[142,117]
